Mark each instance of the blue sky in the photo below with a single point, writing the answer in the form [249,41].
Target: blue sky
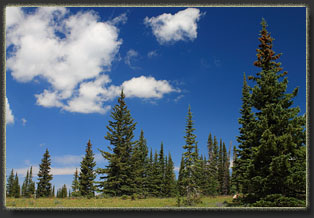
[66,67]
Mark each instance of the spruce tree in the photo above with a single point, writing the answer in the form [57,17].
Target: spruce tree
[234,187]
[161,171]
[16,187]
[170,184]
[118,179]
[76,184]
[53,192]
[220,166]
[139,163]
[213,183]
[31,184]
[181,181]
[44,177]
[10,185]
[87,173]
[190,172]
[25,185]
[278,159]
[64,191]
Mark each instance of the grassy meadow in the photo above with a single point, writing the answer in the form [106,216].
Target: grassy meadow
[219,201]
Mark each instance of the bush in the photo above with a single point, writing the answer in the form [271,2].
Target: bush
[124,197]
[278,200]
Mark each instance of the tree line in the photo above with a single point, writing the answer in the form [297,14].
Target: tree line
[268,165]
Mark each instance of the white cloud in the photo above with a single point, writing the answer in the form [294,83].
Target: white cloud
[72,52]
[146,87]
[65,51]
[68,159]
[9,117]
[172,28]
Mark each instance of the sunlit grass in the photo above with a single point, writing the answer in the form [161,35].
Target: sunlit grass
[110,202]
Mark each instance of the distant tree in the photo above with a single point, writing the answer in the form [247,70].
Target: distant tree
[234,187]
[76,184]
[10,185]
[139,162]
[31,184]
[25,185]
[190,179]
[44,177]
[64,191]
[53,191]
[16,187]
[118,179]
[181,181]
[87,173]
[212,167]
[170,183]
[161,171]
[220,166]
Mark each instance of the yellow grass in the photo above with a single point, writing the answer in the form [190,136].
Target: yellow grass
[109,202]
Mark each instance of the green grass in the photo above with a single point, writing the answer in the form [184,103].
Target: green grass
[109,202]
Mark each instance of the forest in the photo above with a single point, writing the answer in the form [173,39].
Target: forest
[267,168]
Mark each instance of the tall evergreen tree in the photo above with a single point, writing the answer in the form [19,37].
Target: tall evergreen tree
[246,142]
[190,178]
[234,187]
[139,163]
[53,192]
[226,174]
[16,187]
[161,171]
[87,173]
[25,185]
[278,158]
[119,180]
[31,183]
[10,185]
[76,184]
[170,183]
[44,177]
[181,181]
[212,169]
[220,166]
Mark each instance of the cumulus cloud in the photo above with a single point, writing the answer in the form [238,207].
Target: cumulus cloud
[63,49]
[146,87]
[172,28]
[9,117]
[73,53]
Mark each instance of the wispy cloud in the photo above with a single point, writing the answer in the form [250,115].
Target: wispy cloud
[172,28]
[153,53]
[24,121]
[131,56]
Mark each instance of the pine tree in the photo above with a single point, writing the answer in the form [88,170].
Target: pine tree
[31,184]
[234,188]
[220,166]
[226,174]
[278,156]
[170,185]
[10,185]
[139,163]
[212,171]
[44,177]
[16,187]
[161,171]
[64,191]
[181,181]
[246,142]
[53,192]
[25,185]
[119,180]
[76,184]
[87,173]
[190,155]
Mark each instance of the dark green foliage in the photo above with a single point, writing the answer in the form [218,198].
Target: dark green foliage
[161,171]
[75,184]
[170,183]
[191,163]
[53,192]
[16,187]
[24,185]
[276,141]
[62,192]
[31,184]
[118,179]
[87,173]
[140,164]
[44,177]
[180,183]
[212,167]
[10,185]
[278,200]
